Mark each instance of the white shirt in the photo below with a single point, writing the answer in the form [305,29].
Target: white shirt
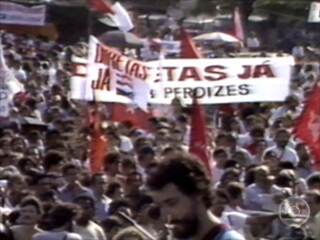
[257,199]
[285,155]
[90,232]
[63,235]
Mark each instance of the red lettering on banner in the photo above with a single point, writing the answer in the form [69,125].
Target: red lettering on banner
[190,73]
[247,72]
[137,70]
[170,72]
[263,70]
[218,75]
[258,71]
[103,81]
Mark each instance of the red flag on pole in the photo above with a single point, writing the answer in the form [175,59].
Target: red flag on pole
[98,143]
[308,125]
[125,113]
[238,25]
[198,137]
[101,6]
[188,47]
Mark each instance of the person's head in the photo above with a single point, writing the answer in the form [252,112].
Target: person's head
[112,225]
[304,155]
[99,183]
[282,138]
[16,183]
[257,133]
[182,189]
[71,173]
[86,202]
[235,193]
[127,166]
[219,202]
[241,158]
[52,136]
[292,101]
[261,176]
[271,160]
[53,161]
[146,155]
[129,233]
[220,156]
[62,215]
[231,142]
[286,178]
[111,163]
[19,144]
[26,164]
[114,190]
[313,181]
[30,211]
[120,205]
[312,197]
[229,175]
[46,182]
[132,182]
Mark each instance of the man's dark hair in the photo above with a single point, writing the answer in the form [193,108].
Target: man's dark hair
[111,158]
[112,188]
[62,214]
[68,167]
[52,158]
[313,179]
[234,190]
[116,205]
[184,171]
[33,201]
[95,176]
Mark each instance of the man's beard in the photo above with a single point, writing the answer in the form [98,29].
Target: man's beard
[184,228]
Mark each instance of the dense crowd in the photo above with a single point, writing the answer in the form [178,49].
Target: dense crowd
[150,187]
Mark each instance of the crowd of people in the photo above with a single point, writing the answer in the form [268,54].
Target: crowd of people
[150,187]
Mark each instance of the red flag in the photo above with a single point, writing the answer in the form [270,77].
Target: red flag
[308,125]
[101,6]
[238,25]
[98,143]
[125,113]
[198,137]
[188,47]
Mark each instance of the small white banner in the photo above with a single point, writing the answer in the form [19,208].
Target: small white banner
[314,14]
[12,13]
[113,77]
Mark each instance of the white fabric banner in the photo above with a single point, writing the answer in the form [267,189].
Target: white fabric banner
[112,77]
[314,13]
[12,13]
[232,80]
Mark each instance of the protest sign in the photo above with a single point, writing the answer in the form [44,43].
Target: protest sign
[110,76]
[12,13]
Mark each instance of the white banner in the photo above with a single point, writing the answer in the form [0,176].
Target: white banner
[113,77]
[12,13]
[231,80]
